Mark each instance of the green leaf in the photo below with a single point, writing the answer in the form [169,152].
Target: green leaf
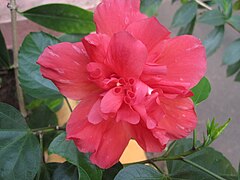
[66,171]
[213,40]
[68,150]
[110,173]
[138,171]
[188,29]
[185,14]
[53,104]
[4,56]
[232,69]
[20,155]
[150,7]
[201,91]
[62,17]
[226,7]
[43,173]
[236,5]
[213,17]
[235,22]
[232,53]
[237,78]
[30,77]
[42,117]
[239,171]
[214,130]
[71,37]
[208,158]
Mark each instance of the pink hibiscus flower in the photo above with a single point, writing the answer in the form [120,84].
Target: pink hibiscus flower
[132,80]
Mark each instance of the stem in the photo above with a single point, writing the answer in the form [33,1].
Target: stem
[12,6]
[69,105]
[169,149]
[40,135]
[153,164]
[203,4]
[163,158]
[47,129]
[202,168]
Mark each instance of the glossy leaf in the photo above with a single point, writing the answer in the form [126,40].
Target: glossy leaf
[235,22]
[213,17]
[208,158]
[213,40]
[150,7]
[30,77]
[62,17]
[185,14]
[68,150]
[188,29]
[138,171]
[232,53]
[232,69]
[66,171]
[201,91]
[226,7]
[20,156]
[110,173]
[4,56]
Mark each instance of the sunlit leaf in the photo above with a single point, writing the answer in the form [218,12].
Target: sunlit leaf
[201,91]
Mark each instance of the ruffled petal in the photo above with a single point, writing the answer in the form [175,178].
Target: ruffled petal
[112,16]
[125,113]
[126,55]
[67,69]
[96,46]
[149,31]
[146,139]
[112,100]
[179,118]
[95,115]
[185,58]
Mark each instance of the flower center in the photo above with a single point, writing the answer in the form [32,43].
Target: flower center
[126,86]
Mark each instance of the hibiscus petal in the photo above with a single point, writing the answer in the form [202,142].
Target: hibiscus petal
[112,16]
[113,142]
[185,58]
[126,55]
[67,69]
[79,117]
[149,31]
[125,113]
[146,139]
[180,118]
[112,100]
[96,46]
[95,114]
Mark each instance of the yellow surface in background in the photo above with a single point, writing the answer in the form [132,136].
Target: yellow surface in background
[132,153]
